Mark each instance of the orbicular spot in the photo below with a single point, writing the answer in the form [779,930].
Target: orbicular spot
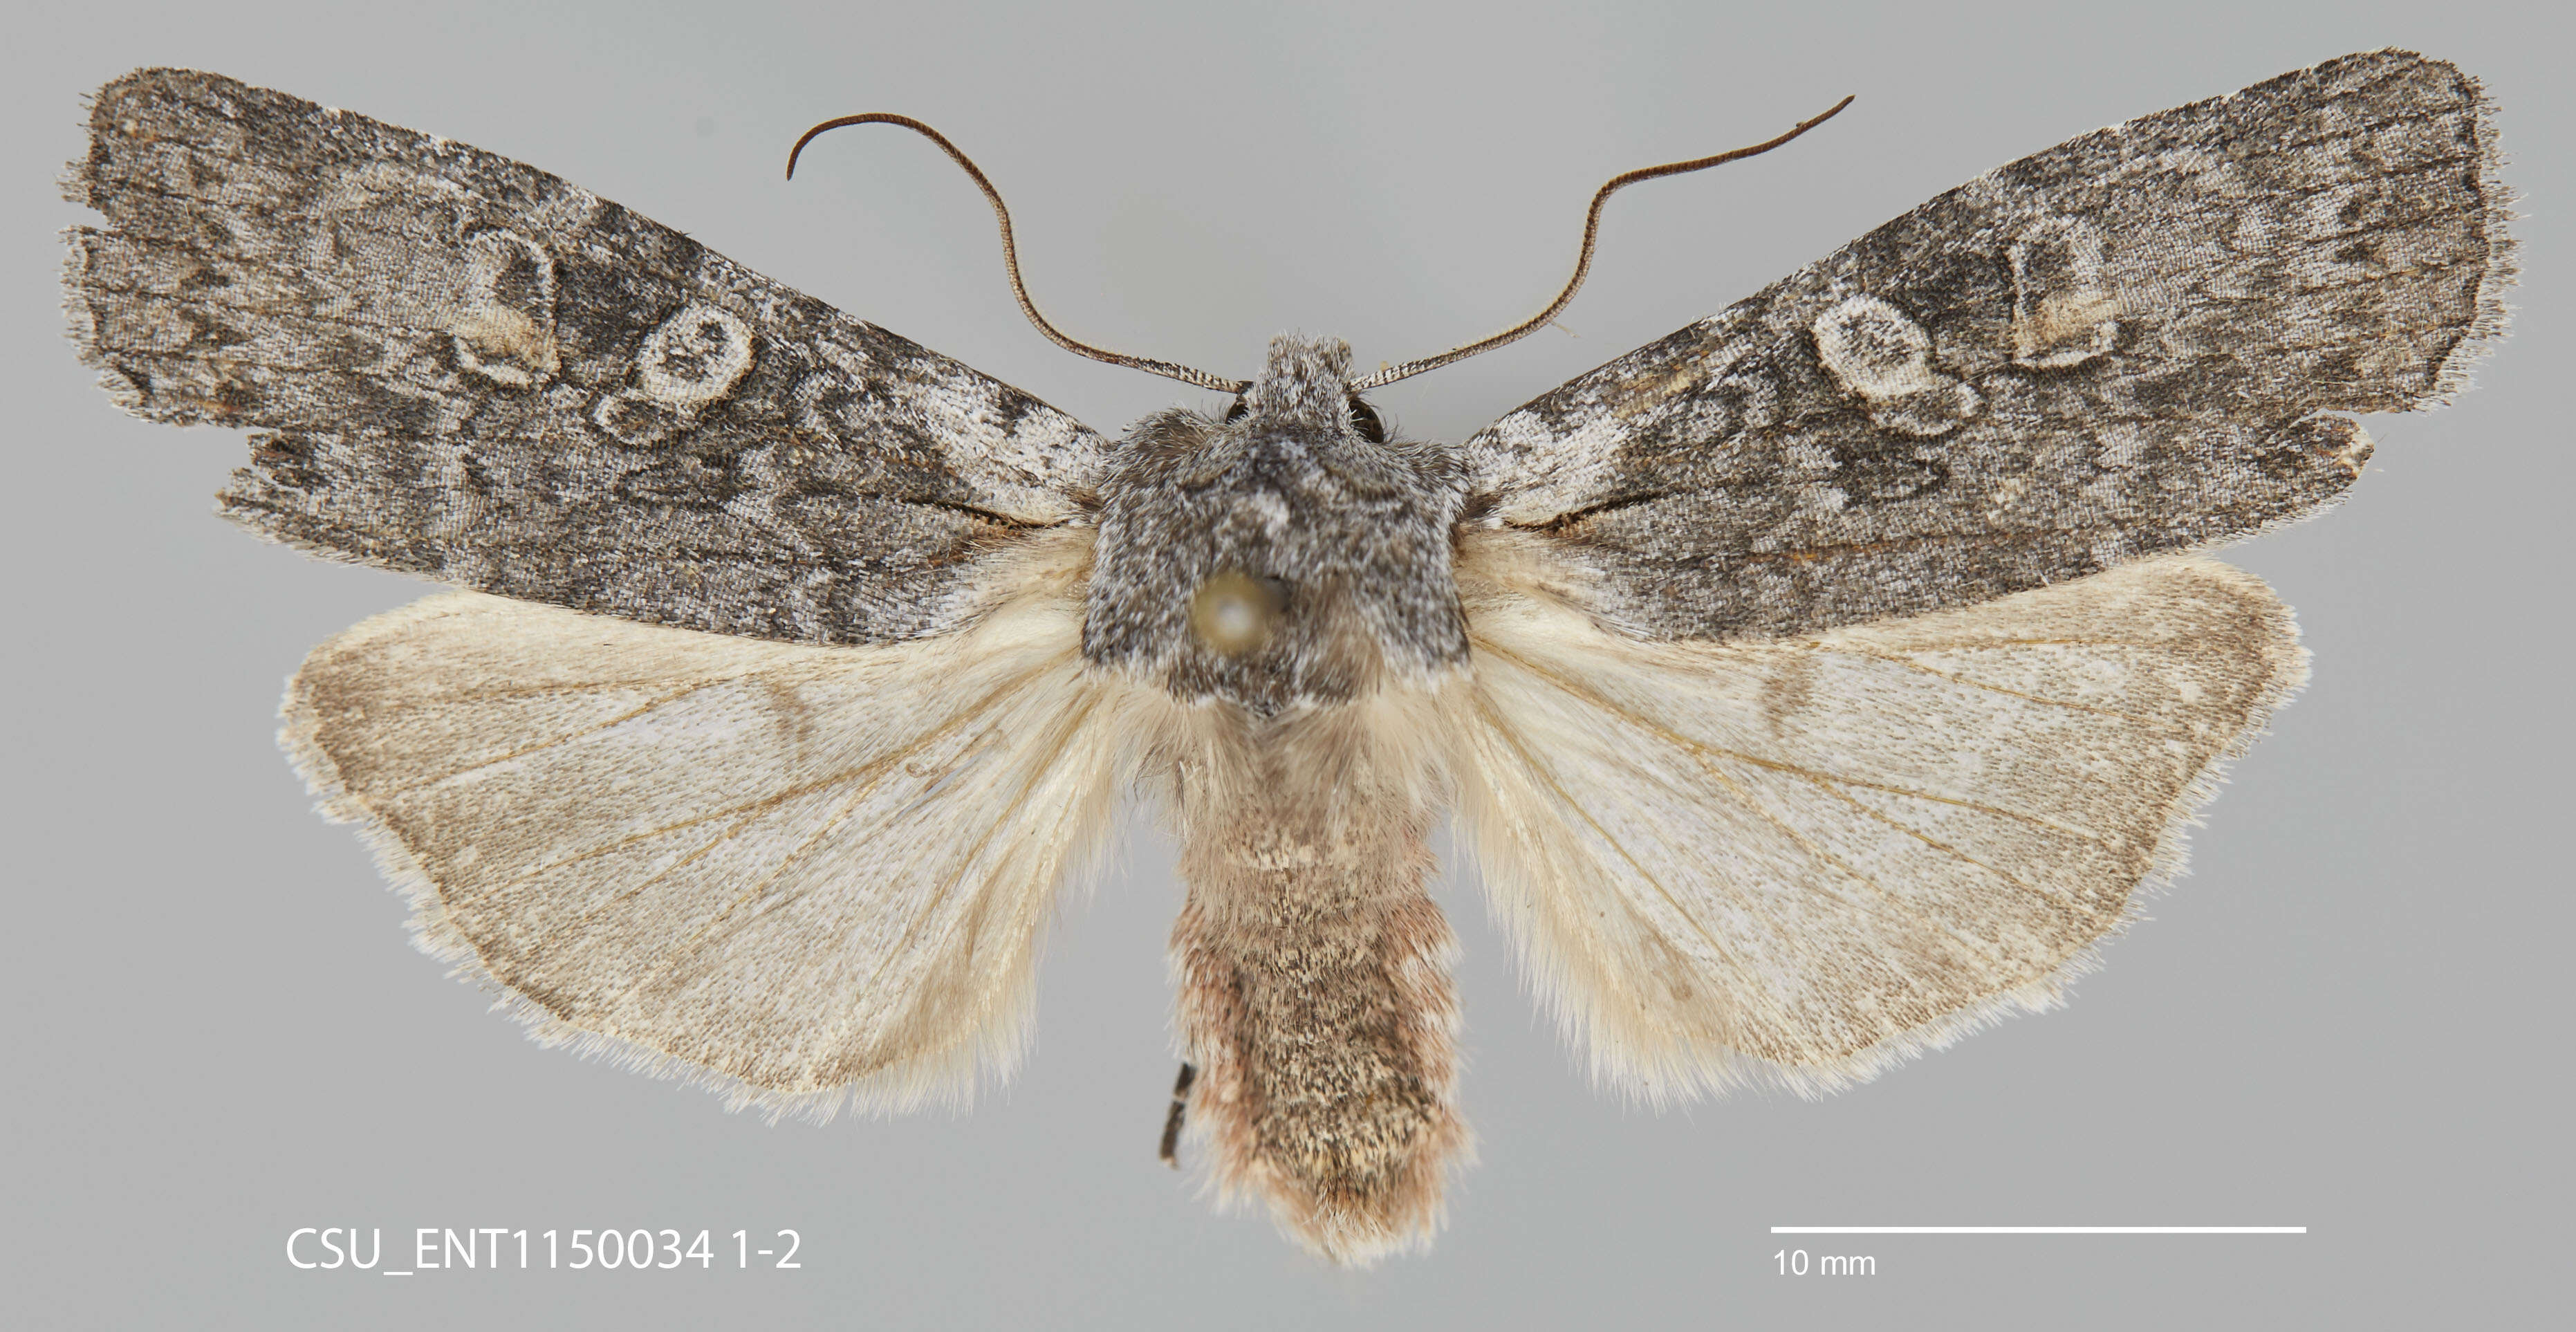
[1881,356]
[504,328]
[2065,310]
[694,357]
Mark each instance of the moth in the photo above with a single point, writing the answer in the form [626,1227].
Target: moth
[1811,687]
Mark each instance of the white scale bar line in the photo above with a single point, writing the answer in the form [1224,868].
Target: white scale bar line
[2039,1230]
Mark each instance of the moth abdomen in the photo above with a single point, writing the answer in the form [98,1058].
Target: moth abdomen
[1315,1000]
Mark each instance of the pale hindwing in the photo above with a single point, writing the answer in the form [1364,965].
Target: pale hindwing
[1799,861]
[791,873]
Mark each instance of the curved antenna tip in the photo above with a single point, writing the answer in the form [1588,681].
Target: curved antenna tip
[1011,253]
[1583,257]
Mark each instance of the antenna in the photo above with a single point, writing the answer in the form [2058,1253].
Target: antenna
[1011,255]
[1583,259]
[1384,376]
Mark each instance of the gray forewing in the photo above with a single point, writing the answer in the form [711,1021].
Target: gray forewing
[2126,345]
[468,369]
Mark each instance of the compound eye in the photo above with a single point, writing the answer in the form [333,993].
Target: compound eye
[1364,420]
[1238,411]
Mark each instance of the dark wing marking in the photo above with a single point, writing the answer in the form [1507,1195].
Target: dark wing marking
[2122,346]
[468,369]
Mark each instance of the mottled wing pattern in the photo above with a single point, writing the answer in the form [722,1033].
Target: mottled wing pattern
[467,369]
[795,873]
[2129,344]
[1798,860]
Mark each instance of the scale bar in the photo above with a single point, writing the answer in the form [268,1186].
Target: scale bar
[2039,1230]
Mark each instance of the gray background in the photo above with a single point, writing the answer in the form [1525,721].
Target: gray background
[2348,1017]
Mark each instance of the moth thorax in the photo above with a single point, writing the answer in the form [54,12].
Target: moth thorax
[1234,612]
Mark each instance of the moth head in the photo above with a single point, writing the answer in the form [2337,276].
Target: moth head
[1305,385]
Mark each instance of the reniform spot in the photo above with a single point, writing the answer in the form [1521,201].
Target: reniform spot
[505,330]
[2063,304]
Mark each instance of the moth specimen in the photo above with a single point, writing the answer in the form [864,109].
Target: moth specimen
[1811,687]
